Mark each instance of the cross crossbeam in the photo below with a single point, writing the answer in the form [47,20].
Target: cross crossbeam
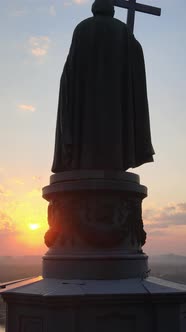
[132,7]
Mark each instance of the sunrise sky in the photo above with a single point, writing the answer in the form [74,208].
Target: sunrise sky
[35,38]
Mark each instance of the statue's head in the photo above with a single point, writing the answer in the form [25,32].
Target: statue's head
[103,7]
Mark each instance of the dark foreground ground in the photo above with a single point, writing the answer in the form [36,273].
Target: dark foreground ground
[12,269]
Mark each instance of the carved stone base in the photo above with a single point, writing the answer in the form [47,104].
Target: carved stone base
[96,228]
[130,305]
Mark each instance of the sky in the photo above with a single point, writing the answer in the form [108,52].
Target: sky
[35,38]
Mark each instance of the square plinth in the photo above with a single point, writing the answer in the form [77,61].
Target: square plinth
[130,305]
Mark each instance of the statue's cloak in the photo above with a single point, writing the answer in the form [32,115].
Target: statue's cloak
[103,116]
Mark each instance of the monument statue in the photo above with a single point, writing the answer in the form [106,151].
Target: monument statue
[95,275]
[103,116]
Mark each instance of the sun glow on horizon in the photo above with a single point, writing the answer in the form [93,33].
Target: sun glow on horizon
[33,227]
[23,216]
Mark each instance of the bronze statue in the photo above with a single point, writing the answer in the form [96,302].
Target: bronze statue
[103,116]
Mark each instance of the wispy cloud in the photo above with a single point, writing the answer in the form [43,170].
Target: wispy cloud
[158,233]
[4,192]
[17,181]
[6,222]
[19,12]
[171,215]
[80,2]
[27,108]
[39,46]
[52,10]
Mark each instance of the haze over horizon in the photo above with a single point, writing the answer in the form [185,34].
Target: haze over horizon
[36,36]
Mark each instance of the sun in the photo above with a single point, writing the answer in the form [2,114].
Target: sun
[33,227]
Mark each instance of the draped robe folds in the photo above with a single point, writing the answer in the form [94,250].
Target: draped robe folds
[103,116]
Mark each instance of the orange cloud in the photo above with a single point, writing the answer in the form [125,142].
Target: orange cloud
[6,222]
[39,46]
[80,2]
[25,107]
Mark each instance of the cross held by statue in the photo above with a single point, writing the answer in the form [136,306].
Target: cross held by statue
[132,7]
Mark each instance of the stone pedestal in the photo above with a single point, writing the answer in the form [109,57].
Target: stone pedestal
[96,228]
[127,305]
[95,274]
